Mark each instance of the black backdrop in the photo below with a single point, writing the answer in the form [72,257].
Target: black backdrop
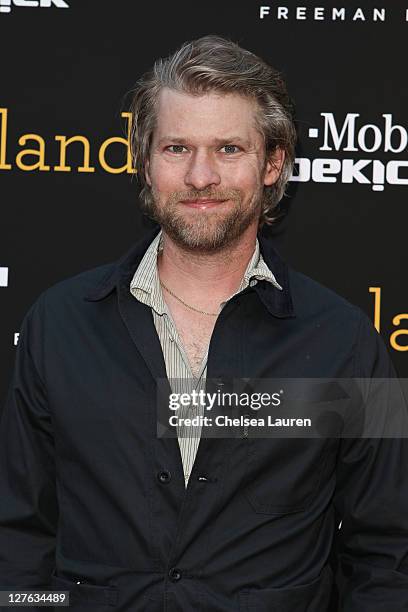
[65,72]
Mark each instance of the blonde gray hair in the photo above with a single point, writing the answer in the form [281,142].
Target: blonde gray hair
[214,63]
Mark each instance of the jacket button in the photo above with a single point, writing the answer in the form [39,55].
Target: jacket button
[164,476]
[174,574]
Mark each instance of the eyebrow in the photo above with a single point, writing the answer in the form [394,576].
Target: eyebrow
[216,141]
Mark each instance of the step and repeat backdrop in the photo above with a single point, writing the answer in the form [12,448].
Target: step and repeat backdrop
[69,198]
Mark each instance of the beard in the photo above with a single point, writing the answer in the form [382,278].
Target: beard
[205,231]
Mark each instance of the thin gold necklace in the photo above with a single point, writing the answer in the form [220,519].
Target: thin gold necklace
[210,314]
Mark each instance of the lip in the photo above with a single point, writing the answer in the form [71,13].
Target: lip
[202,203]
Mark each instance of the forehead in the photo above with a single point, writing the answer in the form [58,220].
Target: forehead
[211,114]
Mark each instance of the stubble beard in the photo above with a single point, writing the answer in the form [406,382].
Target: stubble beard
[205,231]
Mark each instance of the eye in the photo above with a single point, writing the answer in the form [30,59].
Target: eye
[176,148]
[229,148]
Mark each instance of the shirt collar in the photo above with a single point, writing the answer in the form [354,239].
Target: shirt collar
[145,284]
[257,269]
[278,301]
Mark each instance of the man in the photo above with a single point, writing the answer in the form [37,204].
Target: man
[92,501]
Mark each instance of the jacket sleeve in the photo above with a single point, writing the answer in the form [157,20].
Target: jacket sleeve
[371,497]
[28,501]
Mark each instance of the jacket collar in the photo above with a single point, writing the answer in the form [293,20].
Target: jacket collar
[278,303]
[130,260]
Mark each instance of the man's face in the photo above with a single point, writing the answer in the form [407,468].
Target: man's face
[207,168]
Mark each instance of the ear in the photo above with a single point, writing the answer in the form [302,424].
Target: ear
[147,173]
[274,166]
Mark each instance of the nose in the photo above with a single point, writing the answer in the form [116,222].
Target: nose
[202,171]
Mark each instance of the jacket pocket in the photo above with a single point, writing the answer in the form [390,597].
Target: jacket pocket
[83,594]
[283,476]
[311,597]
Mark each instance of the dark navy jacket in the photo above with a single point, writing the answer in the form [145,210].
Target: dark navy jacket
[90,495]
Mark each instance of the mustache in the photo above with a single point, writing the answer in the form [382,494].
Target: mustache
[225,194]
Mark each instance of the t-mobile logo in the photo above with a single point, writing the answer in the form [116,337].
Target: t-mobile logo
[6,5]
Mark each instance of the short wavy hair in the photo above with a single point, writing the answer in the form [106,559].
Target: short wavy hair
[214,63]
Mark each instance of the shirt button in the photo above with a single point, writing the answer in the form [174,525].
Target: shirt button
[174,574]
[164,476]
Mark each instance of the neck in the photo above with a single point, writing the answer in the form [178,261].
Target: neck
[206,278]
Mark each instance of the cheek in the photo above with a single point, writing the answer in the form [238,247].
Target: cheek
[245,178]
[166,177]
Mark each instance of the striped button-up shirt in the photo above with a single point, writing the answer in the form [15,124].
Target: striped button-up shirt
[145,287]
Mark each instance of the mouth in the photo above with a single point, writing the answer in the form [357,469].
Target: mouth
[202,204]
